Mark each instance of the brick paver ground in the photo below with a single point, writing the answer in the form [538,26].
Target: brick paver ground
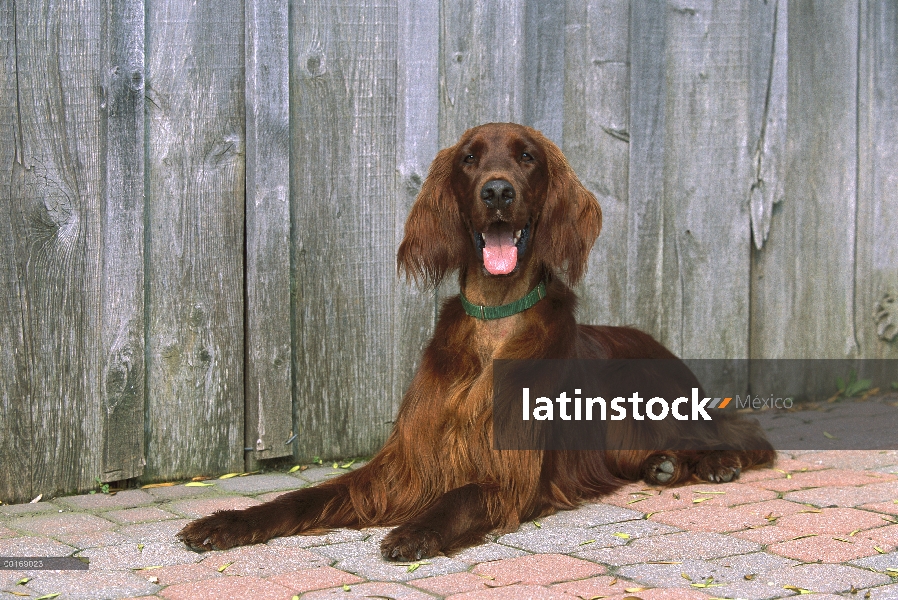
[818,524]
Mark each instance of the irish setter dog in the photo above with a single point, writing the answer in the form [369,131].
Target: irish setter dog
[504,209]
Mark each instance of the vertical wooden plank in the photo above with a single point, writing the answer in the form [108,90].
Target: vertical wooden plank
[122,305]
[596,143]
[16,441]
[544,68]
[417,140]
[343,169]
[55,217]
[803,289]
[646,186]
[768,76]
[876,288]
[195,171]
[269,406]
[706,169]
[482,70]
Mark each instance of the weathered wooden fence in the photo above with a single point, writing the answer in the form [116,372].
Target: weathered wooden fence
[201,203]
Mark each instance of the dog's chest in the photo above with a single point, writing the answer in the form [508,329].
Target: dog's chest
[488,338]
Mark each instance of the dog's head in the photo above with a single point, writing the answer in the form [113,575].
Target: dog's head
[500,199]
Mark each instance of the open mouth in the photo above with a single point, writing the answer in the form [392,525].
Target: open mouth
[500,246]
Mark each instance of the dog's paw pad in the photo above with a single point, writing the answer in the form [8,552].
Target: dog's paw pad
[660,469]
[719,468]
[410,542]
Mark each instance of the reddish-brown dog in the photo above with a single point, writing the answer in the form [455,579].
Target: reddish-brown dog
[503,208]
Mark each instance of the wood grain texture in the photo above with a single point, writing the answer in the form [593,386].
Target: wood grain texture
[768,64]
[876,287]
[803,285]
[16,441]
[417,139]
[54,225]
[646,186]
[343,170]
[544,68]
[482,64]
[596,143]
[122,301]
[704,222]
[195,173]
[269,405]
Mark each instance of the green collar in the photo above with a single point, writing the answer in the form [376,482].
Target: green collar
[506,310]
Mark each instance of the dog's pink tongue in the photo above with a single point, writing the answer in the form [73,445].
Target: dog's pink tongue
[500,255]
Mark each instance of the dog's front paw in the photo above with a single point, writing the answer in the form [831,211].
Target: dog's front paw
[660,469]
[219,531]
[719,467]
[411,542]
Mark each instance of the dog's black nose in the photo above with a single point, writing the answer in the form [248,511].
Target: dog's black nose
[497,193]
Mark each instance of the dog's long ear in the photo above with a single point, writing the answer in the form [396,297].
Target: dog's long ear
[570,220]
[435,237]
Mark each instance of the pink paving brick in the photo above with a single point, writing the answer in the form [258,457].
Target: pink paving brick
[767,535]
[824,478]
[57,524]
[139,515]
[124,499]
[886,537]
[890,507]
[709,518]
[175,574]
[664,594]
[395,591]
[825,548]
[835,521]
[601,586]
[454,583]
[852,459]
[227,587]
[262,561]
[202,507]
[538,569]
[511,592]
[846,495]
[317,578]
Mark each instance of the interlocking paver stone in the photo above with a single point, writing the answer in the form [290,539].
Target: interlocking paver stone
[846,496]
[830,520]
[538,569]
[826,548]
[511,592]
[139,515]
[260,560]
[370,590]
[671,547]
[202,507]
[226,587]
[57,524]
[89,585]
[260,483]
[125,499]
[315,579]
[138,556]
[826,578]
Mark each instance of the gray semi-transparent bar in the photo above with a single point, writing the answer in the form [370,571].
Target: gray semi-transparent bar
[43,563]
[695,404]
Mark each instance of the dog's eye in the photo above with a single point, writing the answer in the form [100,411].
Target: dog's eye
[469,159]
[526,157]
